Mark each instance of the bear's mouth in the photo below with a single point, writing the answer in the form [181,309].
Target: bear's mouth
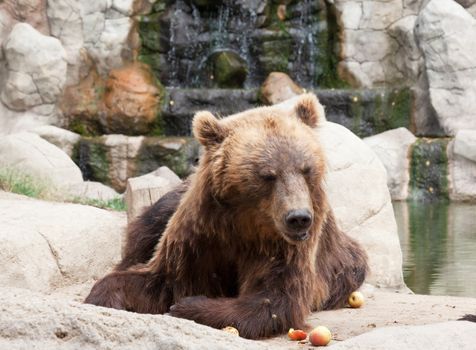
[299,236]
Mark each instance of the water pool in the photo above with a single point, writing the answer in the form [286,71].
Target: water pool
[438,242]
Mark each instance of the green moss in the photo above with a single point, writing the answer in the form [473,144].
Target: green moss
[158,127]
[376,111]
[149,32]
[229,70]
[429,170]
[18,182]
[179,154]
[116,204]
[90,154]
[400,103]
[275,54]
[328,51]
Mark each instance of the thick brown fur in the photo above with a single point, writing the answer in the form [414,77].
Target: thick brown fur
[227,254]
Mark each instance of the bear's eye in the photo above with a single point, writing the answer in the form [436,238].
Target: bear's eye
[306,170]
[268,176]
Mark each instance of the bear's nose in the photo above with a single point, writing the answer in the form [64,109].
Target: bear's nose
[299,219]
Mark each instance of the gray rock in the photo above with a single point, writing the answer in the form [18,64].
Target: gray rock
[36,68]
[376,41]
[145,190]
[29,154]
[462,166]
[46,245]
[90,190]
[445,32]
[445,335]
[61,138]
[357,189]
[392,147]
[31,319]
[92,30]
[183,103]
[167,174]
[278,87]
[408,58]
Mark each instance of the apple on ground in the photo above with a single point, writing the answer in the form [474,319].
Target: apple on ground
[296,334]
[356,299]
[320,336]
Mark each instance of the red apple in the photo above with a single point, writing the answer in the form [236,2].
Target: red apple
[296,334]
[356,299]
[320,336]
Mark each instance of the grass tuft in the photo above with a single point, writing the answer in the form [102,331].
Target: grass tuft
[20,183]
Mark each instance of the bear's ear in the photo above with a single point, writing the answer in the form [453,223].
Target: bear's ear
[207,129]
[309,110]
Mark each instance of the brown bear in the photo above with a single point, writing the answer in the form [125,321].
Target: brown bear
[249,240]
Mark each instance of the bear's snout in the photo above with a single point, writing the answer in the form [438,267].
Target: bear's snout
[298,222]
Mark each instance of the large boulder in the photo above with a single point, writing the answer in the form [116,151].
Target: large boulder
[36,68]
[44,322]
[47,245]
[145,190]
[29,154]
[392,147]
[357,189]
[376,45]
[61,138]
[278,87]
[92,191]
[131,100]
[445,32]
[94,33]
[462,165]
[444,335]
[229,69]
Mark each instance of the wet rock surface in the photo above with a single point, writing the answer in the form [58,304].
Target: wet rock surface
[364,112]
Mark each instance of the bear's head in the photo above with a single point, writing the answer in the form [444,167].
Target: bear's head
[266,166]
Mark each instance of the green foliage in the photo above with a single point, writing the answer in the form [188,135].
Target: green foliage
[20,183]
[116,204]
[17,182]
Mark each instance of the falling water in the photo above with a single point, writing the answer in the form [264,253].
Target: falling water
[197,33]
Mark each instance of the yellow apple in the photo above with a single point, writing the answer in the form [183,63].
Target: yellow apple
[356,299]
[320,336]
[231,330]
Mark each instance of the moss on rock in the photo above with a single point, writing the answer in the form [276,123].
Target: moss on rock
[180,154]
[91,156]
[429,170]
[229,69]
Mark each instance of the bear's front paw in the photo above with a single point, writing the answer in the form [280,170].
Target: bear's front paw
[188,307]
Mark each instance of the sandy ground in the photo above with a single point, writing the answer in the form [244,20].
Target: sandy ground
[383,309]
